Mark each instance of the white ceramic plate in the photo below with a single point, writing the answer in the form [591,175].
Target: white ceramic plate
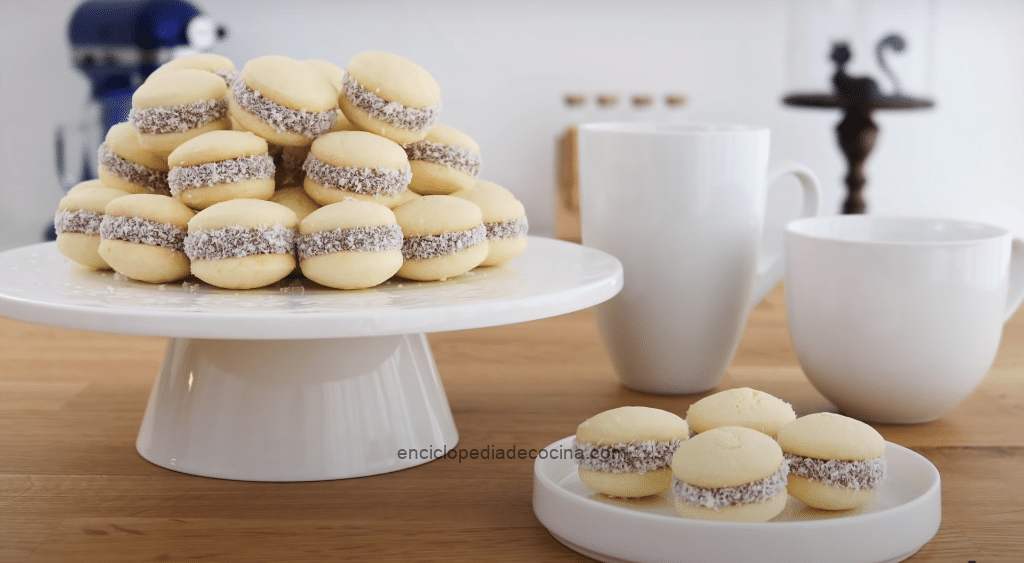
[903,517]
[39,285]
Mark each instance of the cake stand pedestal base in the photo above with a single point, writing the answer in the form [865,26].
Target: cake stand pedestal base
[297,410]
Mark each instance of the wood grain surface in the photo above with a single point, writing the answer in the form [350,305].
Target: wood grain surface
[73,488]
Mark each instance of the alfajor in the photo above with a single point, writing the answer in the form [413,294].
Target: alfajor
[143,237]
[504,220]
[730,473]
[742,406]
[390,96]
[286,101]
[443,237]
[242,243]
[351,244]
[356,164]
[210,62]
[77,222]
[296,199]
[218,166]
[835,462]
[445,161]
[125,165]
[171,107]
[626,451]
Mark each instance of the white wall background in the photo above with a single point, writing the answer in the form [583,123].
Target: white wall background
[504,66]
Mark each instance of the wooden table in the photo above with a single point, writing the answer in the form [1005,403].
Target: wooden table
[73,488]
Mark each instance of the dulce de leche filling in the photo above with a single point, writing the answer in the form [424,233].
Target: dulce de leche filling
[631,457]
[178,118]
[239,242]
[513,228]
[374,182]
[432,246]
[77,221]
[309,124]
[142,231]
[227,171]
[154,180]
[857,475]
[414,119]
[356,239]
[721,497]
[456,157]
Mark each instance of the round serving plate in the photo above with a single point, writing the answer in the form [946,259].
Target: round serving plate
[903,517]
[298,382]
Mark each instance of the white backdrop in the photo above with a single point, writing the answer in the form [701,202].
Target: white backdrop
[504,66]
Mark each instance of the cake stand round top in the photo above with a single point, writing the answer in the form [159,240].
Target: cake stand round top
[39,285]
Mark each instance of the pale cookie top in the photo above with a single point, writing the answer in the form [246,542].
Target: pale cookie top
[245,213]
[442,134]
[358,149]
[296,199]
[332,72]
[728,456]
[828,435]
[394,79]
[93,199]
[216,146]
[740,407]
[437,214]
[347,214]
[152,207]
[497,203]
[178,88]
[123,140]
[87,185]
[290,83]
[209,62]
[624,425]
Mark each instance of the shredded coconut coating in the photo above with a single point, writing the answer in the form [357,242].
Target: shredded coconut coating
[357,239]
[142,231]
[154,180]
[79,221]
[178,118]
[239,242]
[310,124]
[633,457]
[414,119]
[856,475]
[373,182]
[456,157]
[432,246]
[229,76]
[753,492]
[513,228]
[227,171]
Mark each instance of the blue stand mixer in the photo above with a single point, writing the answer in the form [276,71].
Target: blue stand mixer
[117,44]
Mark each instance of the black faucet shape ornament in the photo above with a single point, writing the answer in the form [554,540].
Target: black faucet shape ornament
[864,88]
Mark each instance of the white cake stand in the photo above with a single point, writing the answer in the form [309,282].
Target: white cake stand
[296,382]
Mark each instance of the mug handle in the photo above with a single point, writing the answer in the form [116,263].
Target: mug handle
[770,272]
[1016,295]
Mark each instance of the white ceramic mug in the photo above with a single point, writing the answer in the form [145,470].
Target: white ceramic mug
[898,319]
[682,206]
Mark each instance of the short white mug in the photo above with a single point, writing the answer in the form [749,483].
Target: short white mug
[682,207]
[898,319]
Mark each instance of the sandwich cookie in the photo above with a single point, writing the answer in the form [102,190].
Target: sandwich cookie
[740,407]
[626,451]
[356,164]
[443,237]
[296,199]
[504,219]
[730,473]
[445,161]
[351,244]
[89,184]
[210,62]
[390,96]
[221,165]
[125,165]
[78,219]
[835,462]
[171,107]
[285,101]
[143,237]
[242,243]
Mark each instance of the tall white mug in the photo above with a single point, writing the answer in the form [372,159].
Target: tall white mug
[682,207]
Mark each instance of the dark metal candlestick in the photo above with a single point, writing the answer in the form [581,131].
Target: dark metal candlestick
[858,97]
